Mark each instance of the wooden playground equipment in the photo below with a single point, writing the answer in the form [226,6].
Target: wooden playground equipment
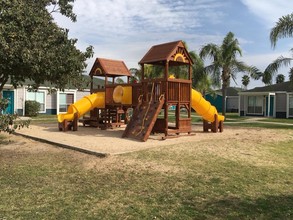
[150,99]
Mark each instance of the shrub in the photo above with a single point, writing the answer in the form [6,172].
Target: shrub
[32,108]
[9,123]
[3,104]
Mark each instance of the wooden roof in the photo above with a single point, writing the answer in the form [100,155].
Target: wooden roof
[108,67]
[172,51]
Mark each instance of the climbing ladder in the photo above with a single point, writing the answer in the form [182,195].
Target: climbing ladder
[143,119]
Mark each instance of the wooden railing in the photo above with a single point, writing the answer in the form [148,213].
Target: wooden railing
[153,89]
[178,90]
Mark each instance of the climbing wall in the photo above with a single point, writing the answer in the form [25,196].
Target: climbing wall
[143,120]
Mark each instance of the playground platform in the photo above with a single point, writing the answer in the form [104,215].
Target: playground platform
[97,142]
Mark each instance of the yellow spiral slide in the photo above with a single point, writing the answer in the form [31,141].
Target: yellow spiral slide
[82,106]
[204,108]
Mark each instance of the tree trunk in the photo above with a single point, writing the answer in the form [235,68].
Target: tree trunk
[224,92]
[3,82]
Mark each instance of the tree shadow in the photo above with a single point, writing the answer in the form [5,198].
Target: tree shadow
[269,207]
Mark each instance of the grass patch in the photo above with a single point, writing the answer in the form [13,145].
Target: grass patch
[190,181]
[278,120]
[43,118]
[259,125]
[3,140]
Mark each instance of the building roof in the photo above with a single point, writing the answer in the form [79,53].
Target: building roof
[231,91]
[172,51]
[279,87]
[108,67]
[85,83]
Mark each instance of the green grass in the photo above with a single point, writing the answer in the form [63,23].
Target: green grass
[278,120]
[259,125]
[44,118]
[200,180]
[3,140]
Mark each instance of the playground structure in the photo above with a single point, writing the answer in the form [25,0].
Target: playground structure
[150,99]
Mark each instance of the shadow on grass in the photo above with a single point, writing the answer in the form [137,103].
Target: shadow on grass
[270,207]
[5,141]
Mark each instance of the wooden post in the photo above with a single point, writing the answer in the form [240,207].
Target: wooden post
[92,84]
[75,122]
[214,126]
[166,98]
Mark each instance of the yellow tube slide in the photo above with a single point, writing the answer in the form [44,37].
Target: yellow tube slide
[82,106]
[203,107]
[123,95]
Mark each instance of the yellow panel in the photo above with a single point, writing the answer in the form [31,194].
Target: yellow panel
[127,95]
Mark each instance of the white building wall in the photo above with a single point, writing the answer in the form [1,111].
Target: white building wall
[81,94]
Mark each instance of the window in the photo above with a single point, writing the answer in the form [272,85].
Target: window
[38,96]
[255,105]
[65,100]
[291,105]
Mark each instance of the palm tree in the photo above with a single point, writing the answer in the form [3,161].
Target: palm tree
[224,64]
[245,81]
[282,29]
[280,78]
[200,79]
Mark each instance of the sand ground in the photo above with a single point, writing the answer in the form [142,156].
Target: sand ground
[110,142]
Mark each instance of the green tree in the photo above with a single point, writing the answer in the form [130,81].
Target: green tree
[245,81]
[135,75]
[33,47]
[224,64]
[119,80]
[282,29]
[280,78]
[200,78]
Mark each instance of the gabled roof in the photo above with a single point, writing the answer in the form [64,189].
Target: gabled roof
[279,87]
[108,67]
[172,51]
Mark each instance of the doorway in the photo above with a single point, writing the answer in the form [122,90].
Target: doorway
[10,96]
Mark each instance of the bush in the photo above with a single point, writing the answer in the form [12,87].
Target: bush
[3,104]
[32,108]
[9,123]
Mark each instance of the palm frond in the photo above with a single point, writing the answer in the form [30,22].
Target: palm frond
[282,29]
[276,64]
[291,74]
[230,48]
[255,73]
[210,51]
[273,68]
[196,59]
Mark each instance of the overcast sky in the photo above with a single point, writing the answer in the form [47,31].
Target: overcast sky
[126,29]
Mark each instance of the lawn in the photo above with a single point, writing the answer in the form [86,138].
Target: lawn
[196,180]
[44,118]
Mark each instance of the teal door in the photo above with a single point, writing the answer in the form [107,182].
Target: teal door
[10,96]
[271,107]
